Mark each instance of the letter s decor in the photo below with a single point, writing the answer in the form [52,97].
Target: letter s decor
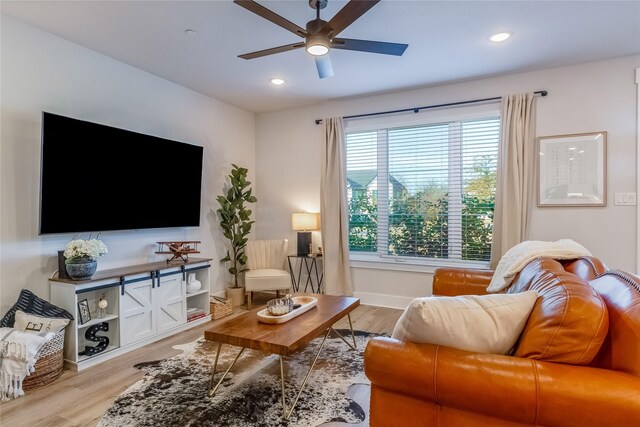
[90,335]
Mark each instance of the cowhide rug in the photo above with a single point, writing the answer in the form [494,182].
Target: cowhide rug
[174,391]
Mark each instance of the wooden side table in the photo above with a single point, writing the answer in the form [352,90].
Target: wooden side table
[310,263]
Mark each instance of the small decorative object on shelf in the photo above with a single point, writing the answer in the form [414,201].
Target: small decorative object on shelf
[220,307]
[193,285]
[83,310]
[102,307]
[179,249]
[91,335]
[194,313]
[82,257]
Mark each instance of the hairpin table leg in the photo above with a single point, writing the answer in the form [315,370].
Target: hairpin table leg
[344,339]
[306,378]
[212,392]
[353,335]
[284,402]
[215,366]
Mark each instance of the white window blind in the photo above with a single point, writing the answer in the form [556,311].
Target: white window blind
[423,191]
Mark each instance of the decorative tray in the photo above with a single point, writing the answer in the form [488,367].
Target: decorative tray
[307,303]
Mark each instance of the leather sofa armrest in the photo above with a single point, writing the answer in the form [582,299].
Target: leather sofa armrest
[510,388]
[461,281]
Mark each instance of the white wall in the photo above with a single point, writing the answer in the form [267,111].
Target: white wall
[39,72]
[583,98]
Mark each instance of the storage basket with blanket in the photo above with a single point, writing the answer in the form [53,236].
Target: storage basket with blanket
[49,366]
[32,344]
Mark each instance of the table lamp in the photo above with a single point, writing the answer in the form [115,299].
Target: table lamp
[304,223]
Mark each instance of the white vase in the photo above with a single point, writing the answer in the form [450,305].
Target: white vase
[193,285]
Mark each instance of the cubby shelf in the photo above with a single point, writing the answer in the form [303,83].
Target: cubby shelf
[200,292]
[94,320]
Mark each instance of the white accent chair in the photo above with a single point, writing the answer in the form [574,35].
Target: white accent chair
[266,262]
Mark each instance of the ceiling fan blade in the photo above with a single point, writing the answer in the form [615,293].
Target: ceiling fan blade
[396,49]
[267,14]
[323,64]
[347,16]
[271,51]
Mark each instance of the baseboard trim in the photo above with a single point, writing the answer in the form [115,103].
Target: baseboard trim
[383,300]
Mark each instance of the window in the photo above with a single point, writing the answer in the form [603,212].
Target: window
[425,191]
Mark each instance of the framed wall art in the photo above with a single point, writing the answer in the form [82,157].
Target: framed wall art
[572,170]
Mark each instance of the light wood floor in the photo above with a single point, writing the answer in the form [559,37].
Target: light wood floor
[80,399]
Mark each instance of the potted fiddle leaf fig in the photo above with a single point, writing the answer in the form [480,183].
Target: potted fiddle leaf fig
[235,221]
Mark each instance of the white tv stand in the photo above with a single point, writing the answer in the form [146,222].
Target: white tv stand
[146,303]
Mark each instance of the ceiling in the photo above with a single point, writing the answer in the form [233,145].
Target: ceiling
[447,42]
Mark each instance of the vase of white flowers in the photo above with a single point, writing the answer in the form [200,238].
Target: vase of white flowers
[82,257]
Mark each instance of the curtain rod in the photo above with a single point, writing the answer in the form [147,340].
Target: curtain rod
[427,107]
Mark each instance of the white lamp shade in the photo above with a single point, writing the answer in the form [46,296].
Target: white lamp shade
[305,221]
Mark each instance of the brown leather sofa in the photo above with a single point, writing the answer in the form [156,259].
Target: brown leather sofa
[577,362]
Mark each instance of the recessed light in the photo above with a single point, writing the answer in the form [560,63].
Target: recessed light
[499,37]
[277,82]
[189,32]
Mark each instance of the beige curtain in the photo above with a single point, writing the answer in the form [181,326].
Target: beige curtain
[515,177]
[333,210]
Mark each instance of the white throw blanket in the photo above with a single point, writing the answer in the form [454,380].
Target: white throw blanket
[521,254]
[18,352]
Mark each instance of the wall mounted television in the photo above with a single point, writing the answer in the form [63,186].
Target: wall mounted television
[97,178]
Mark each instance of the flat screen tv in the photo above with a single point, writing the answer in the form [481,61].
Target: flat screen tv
[98,178]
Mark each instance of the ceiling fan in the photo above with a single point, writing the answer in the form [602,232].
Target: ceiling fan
[320,35]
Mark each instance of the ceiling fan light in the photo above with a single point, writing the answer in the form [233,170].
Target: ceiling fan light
[317,45]
[317,49]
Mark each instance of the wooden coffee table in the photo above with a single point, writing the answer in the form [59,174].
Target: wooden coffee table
[284,339]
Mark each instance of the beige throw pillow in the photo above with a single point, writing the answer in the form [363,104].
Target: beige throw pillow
[483,324]
[38,324]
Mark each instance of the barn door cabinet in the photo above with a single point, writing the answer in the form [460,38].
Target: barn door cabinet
[146,303]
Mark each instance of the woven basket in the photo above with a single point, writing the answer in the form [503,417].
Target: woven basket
[49,364]
[220,307]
